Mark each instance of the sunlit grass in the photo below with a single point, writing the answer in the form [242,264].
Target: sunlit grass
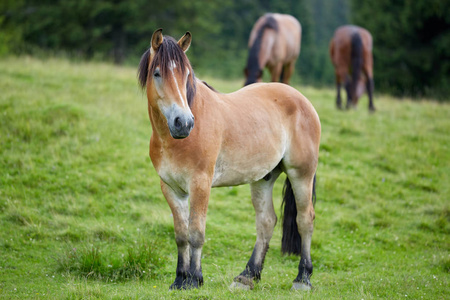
[75,174]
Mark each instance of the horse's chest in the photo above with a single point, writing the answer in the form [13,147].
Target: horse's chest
[173,176]
[170,171]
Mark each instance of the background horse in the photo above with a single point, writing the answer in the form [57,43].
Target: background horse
[351,55]
[274,42]
[203,139]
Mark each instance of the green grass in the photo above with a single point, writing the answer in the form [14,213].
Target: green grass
[82,215]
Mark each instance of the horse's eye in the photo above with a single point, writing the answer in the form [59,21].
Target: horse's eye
[157,73]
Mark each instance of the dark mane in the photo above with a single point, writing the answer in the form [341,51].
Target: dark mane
[143,69]
[210,87]
[168,51]
[253,67]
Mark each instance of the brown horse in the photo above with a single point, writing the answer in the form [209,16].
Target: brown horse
[274,42]
[249,136]
[351,54]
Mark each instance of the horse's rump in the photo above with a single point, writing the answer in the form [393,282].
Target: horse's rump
[274,42]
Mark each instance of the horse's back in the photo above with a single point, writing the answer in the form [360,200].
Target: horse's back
[268,92]
[279,99]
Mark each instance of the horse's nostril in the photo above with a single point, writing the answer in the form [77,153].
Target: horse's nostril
[178,123]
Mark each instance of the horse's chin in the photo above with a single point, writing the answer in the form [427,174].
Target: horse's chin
[180,136]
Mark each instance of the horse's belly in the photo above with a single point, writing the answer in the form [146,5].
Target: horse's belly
[229,172]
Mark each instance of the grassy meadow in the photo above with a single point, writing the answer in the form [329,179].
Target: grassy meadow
[82,215]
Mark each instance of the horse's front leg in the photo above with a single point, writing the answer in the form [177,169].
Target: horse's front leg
[200,189]
[179,205]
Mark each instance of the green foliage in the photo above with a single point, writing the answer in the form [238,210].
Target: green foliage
[143,260]
[75,174]
[411,45]
[411,37]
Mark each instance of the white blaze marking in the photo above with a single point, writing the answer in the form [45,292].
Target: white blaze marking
[172,66]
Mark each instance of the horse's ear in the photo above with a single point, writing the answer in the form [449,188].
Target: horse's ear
[157,39]
[185,41]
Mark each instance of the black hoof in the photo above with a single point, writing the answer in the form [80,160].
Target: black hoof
[186,283]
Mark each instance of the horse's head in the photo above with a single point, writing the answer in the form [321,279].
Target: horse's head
[360,88]
[357,90]
[252,74]
[167,75]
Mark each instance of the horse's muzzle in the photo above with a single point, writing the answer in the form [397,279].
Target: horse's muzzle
[181,126]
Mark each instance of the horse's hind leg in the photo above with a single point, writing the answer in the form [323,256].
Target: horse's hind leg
[338,96]
[369,88]
[265,223]
[275,71]
[288,70]
[341,75]
[302,187]
[348,88]
[367,69]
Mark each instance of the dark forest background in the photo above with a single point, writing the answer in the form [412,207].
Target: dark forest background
[411,37]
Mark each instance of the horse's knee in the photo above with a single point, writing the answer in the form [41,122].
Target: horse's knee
[196,239]
[182,240]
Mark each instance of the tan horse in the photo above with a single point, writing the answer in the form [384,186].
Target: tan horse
[274,43]
[351,54]
[203,139]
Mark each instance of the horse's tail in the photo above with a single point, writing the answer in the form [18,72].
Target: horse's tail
[253,68]
[357,60]
[269,23]
[291,242]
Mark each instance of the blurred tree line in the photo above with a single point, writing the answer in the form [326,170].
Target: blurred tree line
[411,37]
[121,30]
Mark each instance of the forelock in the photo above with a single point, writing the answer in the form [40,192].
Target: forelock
[170,54]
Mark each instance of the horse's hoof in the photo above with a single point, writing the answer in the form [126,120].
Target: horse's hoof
[300,286]
[239,286]
[186,284]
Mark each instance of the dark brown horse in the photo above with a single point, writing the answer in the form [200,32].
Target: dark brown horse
[203,139]
[351,54]
[274,43]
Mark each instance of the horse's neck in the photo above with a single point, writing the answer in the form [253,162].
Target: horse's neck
[202,95]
